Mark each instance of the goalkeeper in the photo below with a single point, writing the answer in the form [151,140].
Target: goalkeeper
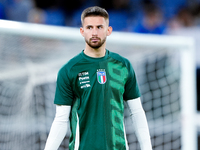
[90,94]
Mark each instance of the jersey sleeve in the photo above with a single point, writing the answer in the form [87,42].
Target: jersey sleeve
[64,92]
[131,87]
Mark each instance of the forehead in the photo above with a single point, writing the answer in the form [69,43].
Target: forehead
[94,20]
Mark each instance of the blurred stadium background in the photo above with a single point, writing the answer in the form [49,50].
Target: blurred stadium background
[31,54]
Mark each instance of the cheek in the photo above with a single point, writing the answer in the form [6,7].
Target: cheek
[87,33]
[86,36]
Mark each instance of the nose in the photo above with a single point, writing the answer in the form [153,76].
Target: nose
[94,31]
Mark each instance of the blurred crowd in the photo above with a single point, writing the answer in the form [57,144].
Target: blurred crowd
[177,17]
[142,16]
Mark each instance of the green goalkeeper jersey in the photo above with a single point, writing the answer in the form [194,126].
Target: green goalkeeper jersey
[95,88]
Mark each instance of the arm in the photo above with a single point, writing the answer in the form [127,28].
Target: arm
[59,127]
[140,123]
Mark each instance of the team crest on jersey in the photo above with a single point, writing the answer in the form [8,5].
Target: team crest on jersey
[101,77]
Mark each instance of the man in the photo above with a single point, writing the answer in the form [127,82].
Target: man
[90,92]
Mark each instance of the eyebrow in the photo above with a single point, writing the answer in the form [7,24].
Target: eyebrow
[100,25]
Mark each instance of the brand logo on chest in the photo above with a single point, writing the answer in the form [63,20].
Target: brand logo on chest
[84,79]
[101,76]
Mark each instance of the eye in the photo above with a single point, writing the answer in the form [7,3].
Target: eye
[89,27]
[99,27]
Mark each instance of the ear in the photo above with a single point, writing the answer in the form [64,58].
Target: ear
[81,31]
[109,31]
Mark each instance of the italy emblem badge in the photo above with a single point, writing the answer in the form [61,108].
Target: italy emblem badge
[101,77]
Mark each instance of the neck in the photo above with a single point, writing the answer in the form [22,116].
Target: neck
[96,53]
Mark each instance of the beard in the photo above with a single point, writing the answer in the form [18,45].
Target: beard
[95,44]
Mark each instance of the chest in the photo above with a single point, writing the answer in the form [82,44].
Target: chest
[98,77]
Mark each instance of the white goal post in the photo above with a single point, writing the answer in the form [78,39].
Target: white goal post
[41,70]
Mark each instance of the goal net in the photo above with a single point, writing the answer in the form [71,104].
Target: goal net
[31,55]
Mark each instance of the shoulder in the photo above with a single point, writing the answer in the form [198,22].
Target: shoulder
[72,62]
[119,58]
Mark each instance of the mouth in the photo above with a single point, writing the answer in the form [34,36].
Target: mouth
[95,39]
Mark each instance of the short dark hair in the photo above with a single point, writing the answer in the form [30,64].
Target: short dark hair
[94,11]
